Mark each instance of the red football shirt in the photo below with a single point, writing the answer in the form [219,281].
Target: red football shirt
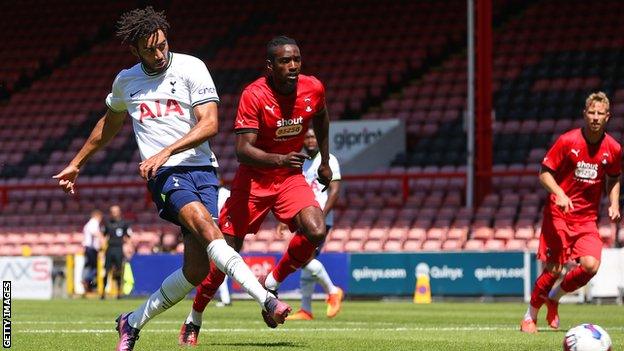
[281,121]
[579,169]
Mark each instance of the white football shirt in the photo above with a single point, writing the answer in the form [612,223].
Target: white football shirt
[310,169]
[161,106]
[91,237]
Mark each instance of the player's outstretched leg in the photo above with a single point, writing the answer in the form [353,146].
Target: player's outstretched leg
[573,280]
[173,289]
[543,284]
[189,332]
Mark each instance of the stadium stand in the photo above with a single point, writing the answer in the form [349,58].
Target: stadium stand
[403,68]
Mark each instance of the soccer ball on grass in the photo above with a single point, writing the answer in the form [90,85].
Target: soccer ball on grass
[587,337]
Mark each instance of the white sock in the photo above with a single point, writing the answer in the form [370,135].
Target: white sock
[307,288]
[173,289]
[194,317]
[531,313]
[320,274]
[224,291]
[232,264]
[270,282]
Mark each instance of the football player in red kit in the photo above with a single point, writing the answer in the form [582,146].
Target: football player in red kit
[576,169]
[273,116]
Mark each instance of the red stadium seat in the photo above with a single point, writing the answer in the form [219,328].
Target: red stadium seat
[432,245]
[482,233]
[416,234]
[353,246]
[524,233]
[377,233]
[504,233]
[457,233]
[358,234]
[452,244]
[516,244]
[373,245]
[333,246]
[412,245]
[494,245]
[435,233]
[397,233]
[338,234]
[393,245]
[474,245]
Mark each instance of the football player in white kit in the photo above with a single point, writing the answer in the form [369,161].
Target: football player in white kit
[172,101]
[314,271]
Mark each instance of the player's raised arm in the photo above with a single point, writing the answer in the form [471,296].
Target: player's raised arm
[247,153]
[105,129]
[207,126]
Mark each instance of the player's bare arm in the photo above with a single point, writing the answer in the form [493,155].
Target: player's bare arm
[105,129]
[247,153]
[207,126]
[332,196]
[320,124]
[550,184]
[613,189]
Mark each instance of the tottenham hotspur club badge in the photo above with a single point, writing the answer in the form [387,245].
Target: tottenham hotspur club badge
[172,87]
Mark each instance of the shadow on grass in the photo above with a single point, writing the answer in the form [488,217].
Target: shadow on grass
[260,344]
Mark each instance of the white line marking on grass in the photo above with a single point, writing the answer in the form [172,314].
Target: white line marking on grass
[177,322]
[290,330]
[250,330]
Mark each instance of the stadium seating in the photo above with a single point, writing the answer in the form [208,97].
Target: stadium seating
[412,67]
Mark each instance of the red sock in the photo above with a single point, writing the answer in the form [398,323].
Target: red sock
[207,288]
[299,251]
[575,279]
[542,287]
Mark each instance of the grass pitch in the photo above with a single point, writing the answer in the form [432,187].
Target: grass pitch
[89,325]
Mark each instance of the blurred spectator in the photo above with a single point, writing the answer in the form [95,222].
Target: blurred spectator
[117,232]
[92,245]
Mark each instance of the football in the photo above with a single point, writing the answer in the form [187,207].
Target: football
[587,337]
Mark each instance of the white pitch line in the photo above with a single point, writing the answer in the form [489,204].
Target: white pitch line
[290,330]
[111,321]
[287,330]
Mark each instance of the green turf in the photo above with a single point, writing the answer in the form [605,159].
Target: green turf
[371,326]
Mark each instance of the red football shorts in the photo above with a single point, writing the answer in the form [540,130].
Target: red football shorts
[561,241]
[253,197]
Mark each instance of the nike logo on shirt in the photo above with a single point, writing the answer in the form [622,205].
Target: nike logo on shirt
[136,92]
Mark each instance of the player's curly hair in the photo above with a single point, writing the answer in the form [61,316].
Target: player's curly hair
[140,23]
[276,42]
